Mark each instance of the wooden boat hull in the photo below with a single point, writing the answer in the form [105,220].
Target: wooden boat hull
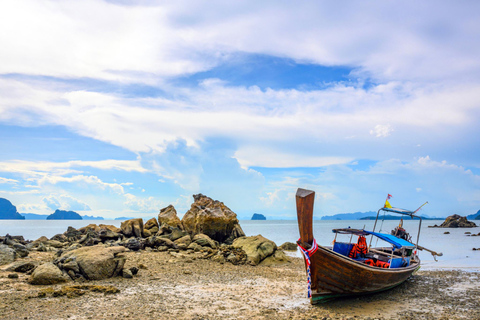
[334,275]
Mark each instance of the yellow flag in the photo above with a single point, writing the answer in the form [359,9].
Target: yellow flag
[387,204]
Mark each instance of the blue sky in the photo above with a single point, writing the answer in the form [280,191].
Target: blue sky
[120,108]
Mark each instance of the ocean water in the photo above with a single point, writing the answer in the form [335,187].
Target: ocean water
[456,246]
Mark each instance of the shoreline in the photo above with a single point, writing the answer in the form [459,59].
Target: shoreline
[171,286]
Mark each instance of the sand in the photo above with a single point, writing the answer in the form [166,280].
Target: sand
[186,287]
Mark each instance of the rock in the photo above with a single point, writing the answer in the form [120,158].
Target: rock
[134,244]
[54,243]
[257,248]
[48,273]
[457,221]
[110,227]
[212,218]
[41,239]
[155,241]
[279,257]
[20,249]
[90,238]
[168,216]
[72,234]
[7,254]
[59,237]
[132,227]
[97,262]
[194,246]
[146,233]
[446,232]
[183,242]
[91,226]
[21,266]
[13,275]
[204,241]
[126,273]
[289,246]
[151,225]
[107,234]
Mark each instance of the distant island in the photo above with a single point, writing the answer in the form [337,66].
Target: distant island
[124,218]
[389,217]
[9,211]
[258,216]
[475,216]
[34,216]
[92,218]
[64,215]
[349,216]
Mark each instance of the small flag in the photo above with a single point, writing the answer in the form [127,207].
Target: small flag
[387,204]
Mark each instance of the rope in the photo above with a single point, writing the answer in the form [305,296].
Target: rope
[307,254]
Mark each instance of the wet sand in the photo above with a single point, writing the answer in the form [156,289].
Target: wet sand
[181,286]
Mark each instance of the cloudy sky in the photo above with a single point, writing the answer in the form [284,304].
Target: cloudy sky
[120,108]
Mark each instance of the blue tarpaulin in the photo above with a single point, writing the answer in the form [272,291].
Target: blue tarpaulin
[397,242]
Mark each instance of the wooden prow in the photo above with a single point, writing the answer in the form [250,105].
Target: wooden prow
[305,199]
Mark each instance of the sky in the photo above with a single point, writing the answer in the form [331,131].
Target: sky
[120,108]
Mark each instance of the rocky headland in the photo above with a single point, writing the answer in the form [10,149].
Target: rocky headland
[8,210]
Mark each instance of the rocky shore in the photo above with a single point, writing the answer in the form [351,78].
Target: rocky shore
[172,286]
[200,267]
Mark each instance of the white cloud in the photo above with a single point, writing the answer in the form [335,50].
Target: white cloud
[65,202]
[381,131]
[146,205]
[6,180]
[88,180]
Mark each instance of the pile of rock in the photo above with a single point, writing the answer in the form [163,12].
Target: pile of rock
[210,230]
[456,221]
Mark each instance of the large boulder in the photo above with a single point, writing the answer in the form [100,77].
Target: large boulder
[168,216]
[93,263]
[7,254]
[213,218]
[132,227]
[151,225]
[457,221]
[257,248]
[48,273]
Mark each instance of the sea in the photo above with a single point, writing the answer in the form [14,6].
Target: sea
[456,247]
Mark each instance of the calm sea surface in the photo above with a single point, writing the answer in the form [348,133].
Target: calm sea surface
[456,246]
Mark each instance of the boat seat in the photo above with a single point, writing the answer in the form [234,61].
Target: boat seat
[343,248]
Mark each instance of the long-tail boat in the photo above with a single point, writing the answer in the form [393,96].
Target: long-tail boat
[347,268]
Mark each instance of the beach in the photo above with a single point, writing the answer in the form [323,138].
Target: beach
[171,285]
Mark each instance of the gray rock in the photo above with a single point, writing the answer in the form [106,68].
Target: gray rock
[20,249]
[96,262]
[204,241]
[183,242]
[7,254]
[48,273]
[21,266]
[212,218]
[132,228]
[257,248]
[126,273]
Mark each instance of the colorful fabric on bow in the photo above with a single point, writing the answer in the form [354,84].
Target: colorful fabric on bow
[307,253]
